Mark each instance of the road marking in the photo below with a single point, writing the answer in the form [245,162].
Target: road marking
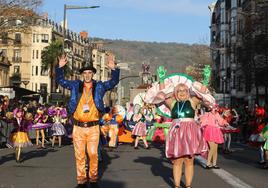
[226,176]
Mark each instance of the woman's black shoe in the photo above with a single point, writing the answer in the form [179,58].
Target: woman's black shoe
[208,167]
[265,167]
[84,185]
[216,167]
[94,185]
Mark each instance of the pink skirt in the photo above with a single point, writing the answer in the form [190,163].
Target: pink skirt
[213,134]
[185,138]
[139,129]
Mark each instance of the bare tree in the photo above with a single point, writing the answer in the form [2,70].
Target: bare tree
[7,7]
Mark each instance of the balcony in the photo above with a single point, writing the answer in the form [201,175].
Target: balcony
[17,59]
[17,41]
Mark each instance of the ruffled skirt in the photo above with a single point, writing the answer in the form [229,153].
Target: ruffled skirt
[20,139]
[58,129]
[38,126]
[139,129]
[185,138]
[213,134]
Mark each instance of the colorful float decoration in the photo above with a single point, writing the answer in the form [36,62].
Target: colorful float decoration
[155,96]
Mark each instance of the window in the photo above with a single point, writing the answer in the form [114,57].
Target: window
[17,38]
[16,69]
[4,37]
[37,38]
[234,82]
[36,70]
[34,38]
[4,52]
[239,3]
[35,86]
[44,38]
[43,88]
[33,55]
[239,80]
[43,72]
[32,71]
[36,54]
[17,55]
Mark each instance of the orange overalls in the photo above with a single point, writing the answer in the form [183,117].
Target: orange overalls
[86,139]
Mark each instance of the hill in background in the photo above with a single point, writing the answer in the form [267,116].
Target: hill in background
[175,57]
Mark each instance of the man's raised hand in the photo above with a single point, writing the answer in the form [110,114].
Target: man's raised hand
[111,65]
[62,60]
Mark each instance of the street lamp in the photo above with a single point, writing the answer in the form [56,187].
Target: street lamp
[224,89]
[25,82]
[67,7]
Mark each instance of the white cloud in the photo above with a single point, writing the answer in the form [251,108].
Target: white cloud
[182,7]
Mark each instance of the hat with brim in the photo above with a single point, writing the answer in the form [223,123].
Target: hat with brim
[89,67]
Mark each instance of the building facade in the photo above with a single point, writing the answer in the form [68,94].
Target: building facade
[23,41]
[4,69]
[233,26]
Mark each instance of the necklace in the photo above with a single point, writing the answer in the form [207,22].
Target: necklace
[180,113]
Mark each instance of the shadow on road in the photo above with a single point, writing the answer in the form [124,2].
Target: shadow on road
[158,168]
[26,155]
[111,184]
[6,158]
[243,154]
[35,154]
[106,161]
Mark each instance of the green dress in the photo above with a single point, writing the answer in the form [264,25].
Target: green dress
[265,135]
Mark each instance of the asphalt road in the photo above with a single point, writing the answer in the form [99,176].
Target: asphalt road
[127,168]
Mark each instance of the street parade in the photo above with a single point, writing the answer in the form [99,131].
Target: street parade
[90,118]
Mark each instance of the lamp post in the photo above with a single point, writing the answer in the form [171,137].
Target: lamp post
[68,7]
[224,89]
[25,82]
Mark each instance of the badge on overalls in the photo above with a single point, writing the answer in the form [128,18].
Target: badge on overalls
[86,108]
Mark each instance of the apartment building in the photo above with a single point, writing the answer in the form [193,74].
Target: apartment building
[23,40]
[234,73]
[4,69]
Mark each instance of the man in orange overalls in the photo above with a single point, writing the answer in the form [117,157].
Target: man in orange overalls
[86,104]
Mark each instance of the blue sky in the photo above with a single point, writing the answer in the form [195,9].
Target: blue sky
[181,21]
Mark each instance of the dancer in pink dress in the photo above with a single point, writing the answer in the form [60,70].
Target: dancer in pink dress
[139,130]
[212,121]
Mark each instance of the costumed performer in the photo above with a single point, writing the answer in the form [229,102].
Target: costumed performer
[110,127]
[185,139]
[211,122]
[40,124]
[85,105]
[264,134]
[139,130]
[58,115]
[19,136]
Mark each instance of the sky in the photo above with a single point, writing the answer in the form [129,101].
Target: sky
[180,21]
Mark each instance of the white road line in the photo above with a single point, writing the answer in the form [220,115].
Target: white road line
[226,176]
